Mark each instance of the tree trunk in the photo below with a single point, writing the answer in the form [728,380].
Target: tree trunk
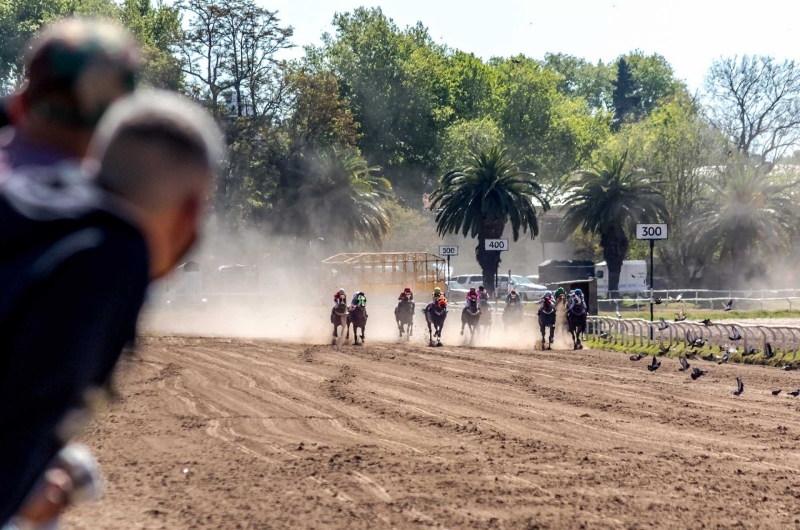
[489,260]
[615,248]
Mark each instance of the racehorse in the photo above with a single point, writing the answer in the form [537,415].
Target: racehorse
[435,314]
[358,319]
[470,316]
[404,315]
[547,319]
[486,317]
[576,319]
[339,319]
[512,314]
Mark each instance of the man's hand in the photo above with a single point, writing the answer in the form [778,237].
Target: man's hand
[49,499]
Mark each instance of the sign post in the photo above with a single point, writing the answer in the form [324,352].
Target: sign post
[651,232]
[496,245]
[448,251]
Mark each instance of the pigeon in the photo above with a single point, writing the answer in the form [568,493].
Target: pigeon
[658,301]
[638,356]
[769,353]
[736,334]
[655,365]
[679,297]
[603,335]
[751,351]
[794,393]
[681,316]
[662,325]
[739,387]
[709,357]
[729,305]
[619,315]
[722,348]
[633,276]
[691,354]
[664,350]
[776,392]
[696,372]
[684,365]
[789,367]
[725,357]
[706,323]
[698,343]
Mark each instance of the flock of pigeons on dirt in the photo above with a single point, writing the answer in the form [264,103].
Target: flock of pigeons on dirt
[694,342]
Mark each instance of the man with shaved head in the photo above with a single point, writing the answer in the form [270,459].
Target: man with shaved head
[76,256]
[76,69]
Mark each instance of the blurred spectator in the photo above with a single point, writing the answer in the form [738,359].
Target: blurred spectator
[76,256]
[76,68]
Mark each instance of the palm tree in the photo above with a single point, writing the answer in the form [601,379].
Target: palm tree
[608,200]
[747,215]
[480,199]
[339,197]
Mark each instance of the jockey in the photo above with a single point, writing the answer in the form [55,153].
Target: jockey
[472,297]
[513,297]
[437,292]
[354,303]
[546,302]
[483,293]
[406,294]
[337,298]
[576,297]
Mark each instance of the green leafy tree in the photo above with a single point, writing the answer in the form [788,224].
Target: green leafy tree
[609,200]
[747,217]
[158,29]
[548,133]
[625,99]
[480,199]
[395,80]
[580,78]
[463,138]
[336,195]
[678,145]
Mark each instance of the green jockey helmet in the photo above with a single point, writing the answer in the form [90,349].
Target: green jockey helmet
[559,293]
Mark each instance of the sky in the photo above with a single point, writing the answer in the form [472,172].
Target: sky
[690,34]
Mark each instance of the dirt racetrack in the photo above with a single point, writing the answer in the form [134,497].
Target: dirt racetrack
[248,433]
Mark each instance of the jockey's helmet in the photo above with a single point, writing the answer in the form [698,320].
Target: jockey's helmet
[472,289]
[548,294]
[407,290]
[481,288]
[341,291]
[436,290]
[514,292]
[578,292]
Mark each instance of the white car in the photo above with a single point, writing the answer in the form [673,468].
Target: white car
[528,289]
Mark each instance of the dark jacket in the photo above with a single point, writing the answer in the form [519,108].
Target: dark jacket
[73,275]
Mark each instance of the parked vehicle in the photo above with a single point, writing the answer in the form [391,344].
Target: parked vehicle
[632,277]
[528,289]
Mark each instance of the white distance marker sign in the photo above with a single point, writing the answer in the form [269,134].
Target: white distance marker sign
[652,231]
[498,245]
[451,250]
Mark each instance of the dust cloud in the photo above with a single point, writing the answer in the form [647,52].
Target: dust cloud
[255,285]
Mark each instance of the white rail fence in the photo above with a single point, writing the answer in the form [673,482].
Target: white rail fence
[701,297]
[640,332]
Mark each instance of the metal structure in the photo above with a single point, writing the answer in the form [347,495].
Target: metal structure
[638,332]
[384,273]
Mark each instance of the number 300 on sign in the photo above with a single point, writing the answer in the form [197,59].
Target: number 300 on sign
[651,231]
